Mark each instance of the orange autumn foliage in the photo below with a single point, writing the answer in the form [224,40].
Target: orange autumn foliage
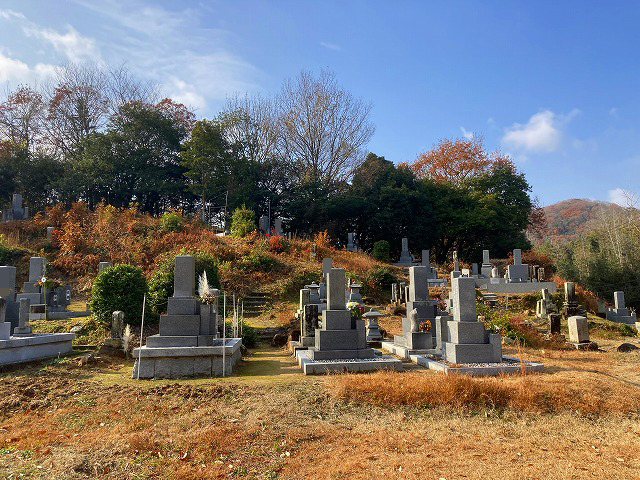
[456,160]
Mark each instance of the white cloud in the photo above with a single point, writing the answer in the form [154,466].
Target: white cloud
[13,70]
[622,197]
[542,133]
[466,134]
[330,46]
[77,48]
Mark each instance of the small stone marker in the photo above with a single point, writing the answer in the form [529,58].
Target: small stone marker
[50,233]
[578,329]
[117,324]
[103,265]
[23,317]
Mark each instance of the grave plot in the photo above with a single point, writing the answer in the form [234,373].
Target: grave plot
[340,339]
[188,343]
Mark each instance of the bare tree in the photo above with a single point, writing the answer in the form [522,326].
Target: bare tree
[251,124]
[323,128]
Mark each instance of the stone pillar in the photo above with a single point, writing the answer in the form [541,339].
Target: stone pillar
[305,297]
[5,327]
[117,324]
[23,317]
[485,257]
[517,256]
[474,269]
[37,266]
[618,300]
[8,282]
[456,262]
[464,300]
[554,323]
[418,289]
[277,226]
[184,279]
[336,282]
[50,233]
[405,244]
[327,265]
[425,258]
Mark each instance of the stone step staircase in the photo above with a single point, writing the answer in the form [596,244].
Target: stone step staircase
[256,303]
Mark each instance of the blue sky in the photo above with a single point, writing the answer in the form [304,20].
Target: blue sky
[554,84]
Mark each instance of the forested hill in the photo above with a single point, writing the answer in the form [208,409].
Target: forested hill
[569,218]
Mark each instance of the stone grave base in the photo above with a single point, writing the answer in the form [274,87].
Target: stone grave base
[313,367]
[405,352]
[437,282]
[514,288]
[509,365]
[585,345]
[294,346]
[27,347]
[58,315]
[177,362]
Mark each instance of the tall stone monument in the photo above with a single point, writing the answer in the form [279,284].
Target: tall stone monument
[406,259]
[463,338]
[518,272]
[619,312]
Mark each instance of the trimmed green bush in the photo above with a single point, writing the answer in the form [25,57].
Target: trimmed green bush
[161,281]
[377,282]
[243,222]
[382,251]
[121,287]
[171,222]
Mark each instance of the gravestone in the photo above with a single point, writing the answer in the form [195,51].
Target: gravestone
[456,262]
[314,251]
[405,255]
[277,227]
[545,305]
[327,265]
[485,268]
[30,288]
[314,293]
[474,269]
[311,323]
[351,247]
[620,313]
[23,327]
[570,307]
[5,327]
[16,211]
[463,338]
[50,231]
[187,343]
[578,329]
[554,323]
[264,224]
[432,273]
[518,272]
[103,265]
[339,337]
[418,332]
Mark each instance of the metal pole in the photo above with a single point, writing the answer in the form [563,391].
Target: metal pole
[144,301]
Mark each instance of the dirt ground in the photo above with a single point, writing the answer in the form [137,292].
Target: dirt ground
[64,420]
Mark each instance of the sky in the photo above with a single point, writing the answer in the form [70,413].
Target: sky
[553,84]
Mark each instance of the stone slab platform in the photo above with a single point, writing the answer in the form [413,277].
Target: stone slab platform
[405,352]
[516,288]
[478,370]
[315,367]
[177,362]
[25,348]
[58,315]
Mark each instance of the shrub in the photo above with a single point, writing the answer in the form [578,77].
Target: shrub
[172,222]
[378,281]
[243,222]
[161,281]
[121,287]
[276,244]
[258,261]
[382,251]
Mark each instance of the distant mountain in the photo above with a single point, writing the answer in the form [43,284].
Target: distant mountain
[569,218]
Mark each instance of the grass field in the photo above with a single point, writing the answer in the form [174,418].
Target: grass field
[64,420]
